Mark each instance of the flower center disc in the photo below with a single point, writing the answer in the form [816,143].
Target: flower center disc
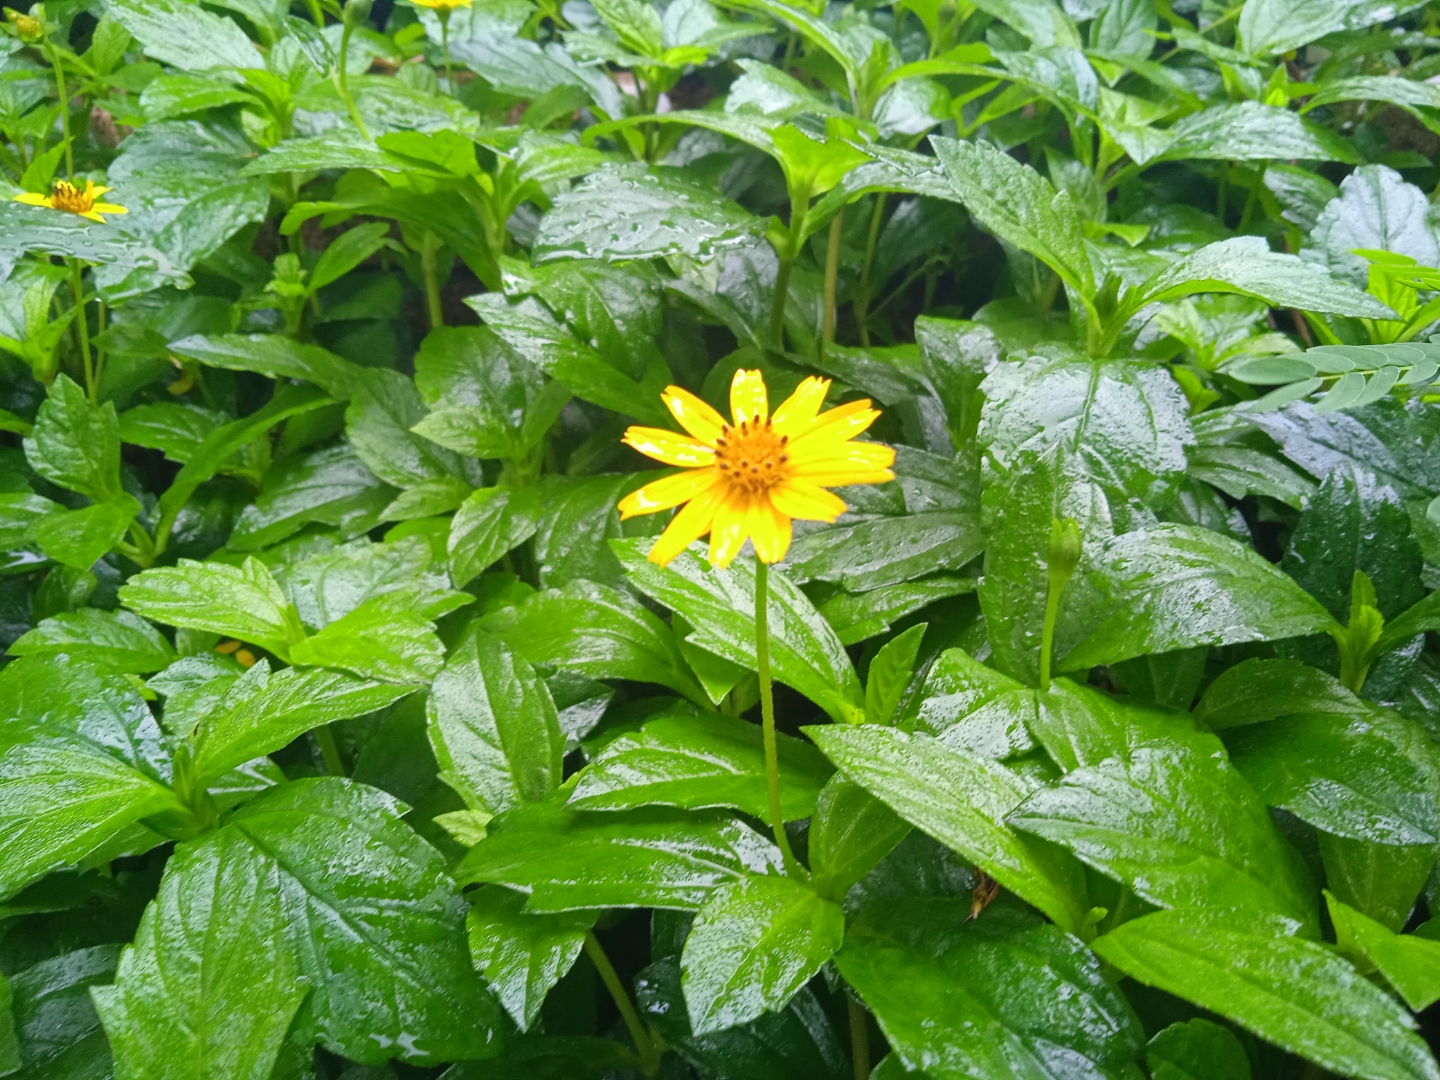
[751,456]
[68,197]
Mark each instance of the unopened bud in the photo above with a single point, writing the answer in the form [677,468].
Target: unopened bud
[27,28]
[1065,549]
[357,12]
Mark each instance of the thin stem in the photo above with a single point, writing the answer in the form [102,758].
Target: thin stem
[342,83]
[325,738]
[1047,637]
[444,16]
[316,15]
[64,113]
[432,280]
[99,329]
[644,1042]
[767,714]
[777,304]
[832,271]
[859,1039]
[862,295]
[77,290]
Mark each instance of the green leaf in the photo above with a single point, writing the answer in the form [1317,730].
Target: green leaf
[655,857]
[362,910]
[522,955]
[965,703]
[1379,880]
[332,487]
[1215,846]
[890,674]
[1004,996]
[210,984]
[577,520]
[700,761]
[1268,27]
[596,631]
[59,800]
[61,1036]
[887,551]
[75,443]
[720,605]
[1173,587]
[1246,265]
[549,1057]
[1342,776]
[1410,964]
[531,330]
[275,356]
[383,412]
[115,642]
[334,582]
[186,36]
[1249,131]
[381,639]
[1020,206]
[489,523]
[1259,690]
[125,267]
[1294,993]
[176,430]
[1197,1049]
[493,727]
[754,944]
[797,1041]
[858,616]
[242,602]
[263,711]
[850,832]
[1377,211]
[961,800]
[481,393]
[661,212]
[346,252]
[77,538]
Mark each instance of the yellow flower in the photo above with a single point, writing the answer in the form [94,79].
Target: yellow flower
[443,5]
[29,28]
[749,478]
[71,199]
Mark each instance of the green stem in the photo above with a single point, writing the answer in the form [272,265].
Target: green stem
[859,1039]
[316,15]
[64,112]
[77,290]
[444,16]
[645,1044]
[777,304]
[432,280]
[832,271]
[1047,637]
[325,738]
[862,295]
[342,83]
[767,715]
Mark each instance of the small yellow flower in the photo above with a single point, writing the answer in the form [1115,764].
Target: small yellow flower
[443,5]
[749,478]
[71,199]
[29,28]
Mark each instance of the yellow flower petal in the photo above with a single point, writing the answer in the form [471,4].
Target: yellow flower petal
[747,397]
[30,198]
[851,463]
[692,522]
[727,531]
[806,501]
[110,207]
[769,529]
[93,216]
[669,447]
[663,494]
[695,416]
[800,408]
[821,439]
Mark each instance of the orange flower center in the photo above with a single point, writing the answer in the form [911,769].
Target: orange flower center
[751,457]
[68,197]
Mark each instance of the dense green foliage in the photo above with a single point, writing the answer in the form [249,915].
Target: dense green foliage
[345,729]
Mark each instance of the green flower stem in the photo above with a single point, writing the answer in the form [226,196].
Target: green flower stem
[767,714]
[1047,636]
[54,56]
[862,296]
[443,14]
[325,739]
[77,290]
[645,1044]
[342,82]
[777,304]
[832,271]
[432,280]
[859,1039]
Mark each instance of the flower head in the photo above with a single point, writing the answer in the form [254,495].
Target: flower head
[443,5]
[747,479]
[27,27]
[71,199]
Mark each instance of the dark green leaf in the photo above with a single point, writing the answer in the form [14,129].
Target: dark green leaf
[522,955]
[332,487]
[275,356]
[1409,963]
[1197,1049]
[75,443]
[850,832]
[60,1035]
[488,524]
[384,408]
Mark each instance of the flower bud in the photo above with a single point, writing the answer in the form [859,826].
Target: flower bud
[1065,549]
[357,12]
[28,28]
